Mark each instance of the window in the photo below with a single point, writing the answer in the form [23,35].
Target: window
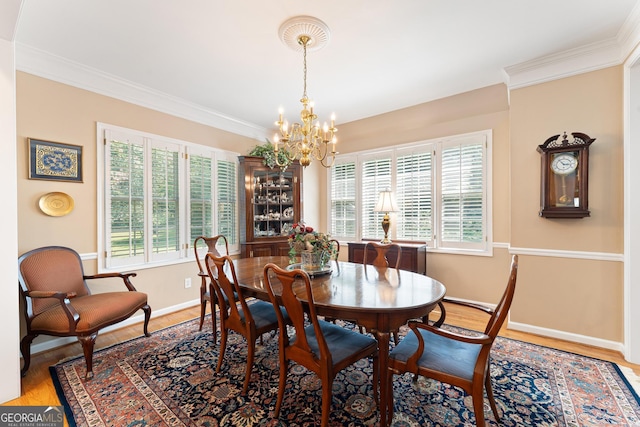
[441,189]
[343,199]
[213,175]
[158,194]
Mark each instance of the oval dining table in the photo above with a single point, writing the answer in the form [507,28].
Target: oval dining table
[379,299]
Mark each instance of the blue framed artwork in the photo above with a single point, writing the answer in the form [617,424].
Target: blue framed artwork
[54,161]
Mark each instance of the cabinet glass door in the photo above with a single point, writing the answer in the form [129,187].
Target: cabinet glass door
[273,203]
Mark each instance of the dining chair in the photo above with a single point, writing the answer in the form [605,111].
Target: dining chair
[205,295]
[318,345]
[336,245]
[381,260]
[451,357]
[381,254]
[249,320]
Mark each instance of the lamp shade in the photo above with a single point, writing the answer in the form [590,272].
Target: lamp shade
[386,202]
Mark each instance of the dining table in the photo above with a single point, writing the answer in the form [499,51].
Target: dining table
[380,299]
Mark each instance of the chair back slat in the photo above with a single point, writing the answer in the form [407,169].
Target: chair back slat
[381,250]
[212,247]
[228,291]
[295,295]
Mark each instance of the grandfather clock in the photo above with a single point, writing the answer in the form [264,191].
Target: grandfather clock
[564,191]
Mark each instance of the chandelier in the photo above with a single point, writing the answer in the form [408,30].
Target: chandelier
[305,140]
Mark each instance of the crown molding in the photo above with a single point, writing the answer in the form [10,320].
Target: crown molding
[584,59]
[564,64]
[56,68]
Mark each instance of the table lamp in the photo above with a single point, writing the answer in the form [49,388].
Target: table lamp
[386,204]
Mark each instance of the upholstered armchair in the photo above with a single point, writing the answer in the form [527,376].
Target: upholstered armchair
[58,302]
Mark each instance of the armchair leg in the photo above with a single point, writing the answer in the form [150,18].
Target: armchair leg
[88,341]
[147,316]
[25,348]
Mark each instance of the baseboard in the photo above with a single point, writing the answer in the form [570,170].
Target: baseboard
[49,344]
[566,336]
[523,327]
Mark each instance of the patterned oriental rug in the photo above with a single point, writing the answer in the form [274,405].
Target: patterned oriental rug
[169,379]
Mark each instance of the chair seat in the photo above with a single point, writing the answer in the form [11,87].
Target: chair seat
[96,311]
[440,354]
[263,314]
[342,342]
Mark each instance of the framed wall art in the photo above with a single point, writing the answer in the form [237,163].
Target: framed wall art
[54,161]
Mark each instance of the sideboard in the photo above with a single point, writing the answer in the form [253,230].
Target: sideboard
[413,257]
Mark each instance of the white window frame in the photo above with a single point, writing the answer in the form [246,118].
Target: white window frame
[435,243]
[185,252]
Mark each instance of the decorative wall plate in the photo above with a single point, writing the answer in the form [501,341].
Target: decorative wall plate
[56,204]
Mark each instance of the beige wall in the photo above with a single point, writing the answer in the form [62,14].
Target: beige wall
[470,277]
[570,293]
[56,112]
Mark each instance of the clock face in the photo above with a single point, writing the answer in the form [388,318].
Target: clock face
[564,164]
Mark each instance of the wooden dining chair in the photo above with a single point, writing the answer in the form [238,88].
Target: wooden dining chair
[336,247]
[205,295]
[381,254]
[318,345]
[249,320]
[381,260]
[460,360]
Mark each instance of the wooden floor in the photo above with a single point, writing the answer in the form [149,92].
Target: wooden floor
[37,387]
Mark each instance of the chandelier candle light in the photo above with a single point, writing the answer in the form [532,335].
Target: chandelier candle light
[307,139]
[386,203]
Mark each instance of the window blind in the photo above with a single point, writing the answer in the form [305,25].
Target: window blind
[462,193]
[343,200]
[414,195]
[376,177]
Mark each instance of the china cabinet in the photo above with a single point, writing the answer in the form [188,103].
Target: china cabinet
[270,203]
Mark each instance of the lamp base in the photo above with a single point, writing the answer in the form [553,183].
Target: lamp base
[385,228]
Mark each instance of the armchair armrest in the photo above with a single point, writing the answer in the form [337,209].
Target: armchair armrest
[50,294]
[478,338]
[124,276]
[440,321]
[63,297]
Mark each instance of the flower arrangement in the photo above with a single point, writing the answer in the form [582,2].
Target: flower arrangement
[305,239]
[267,152]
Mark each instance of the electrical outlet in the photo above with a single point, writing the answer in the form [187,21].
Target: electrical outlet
[187,282]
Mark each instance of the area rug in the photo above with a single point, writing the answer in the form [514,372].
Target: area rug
[169,379]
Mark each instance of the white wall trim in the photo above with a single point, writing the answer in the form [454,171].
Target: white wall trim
[43,64]
[629,34]
[631,207]
[598,256]
[564,64]
[584,59]
[566,336]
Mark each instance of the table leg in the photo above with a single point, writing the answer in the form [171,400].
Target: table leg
[383,365]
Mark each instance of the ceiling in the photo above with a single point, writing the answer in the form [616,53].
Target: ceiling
[224,58]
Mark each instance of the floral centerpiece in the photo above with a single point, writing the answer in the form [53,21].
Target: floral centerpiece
[315,248]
